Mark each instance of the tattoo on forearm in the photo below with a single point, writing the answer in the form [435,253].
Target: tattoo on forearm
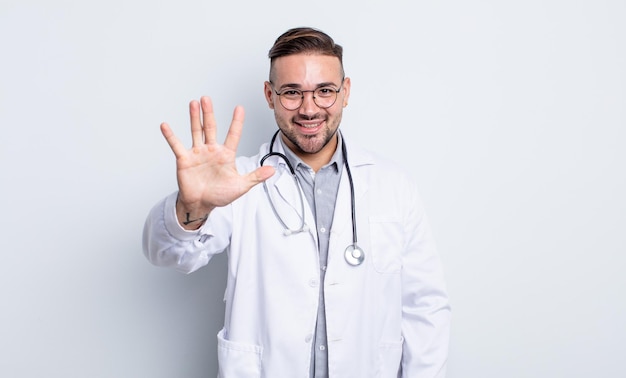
[189,221]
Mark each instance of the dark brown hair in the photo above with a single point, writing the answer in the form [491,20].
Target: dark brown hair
[304,40]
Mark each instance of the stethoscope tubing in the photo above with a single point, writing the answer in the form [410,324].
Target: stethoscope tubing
[353,254]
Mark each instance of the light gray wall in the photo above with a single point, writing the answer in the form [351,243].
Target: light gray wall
[511,114]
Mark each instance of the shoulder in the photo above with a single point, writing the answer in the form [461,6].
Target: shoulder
[362,158]
[383,178]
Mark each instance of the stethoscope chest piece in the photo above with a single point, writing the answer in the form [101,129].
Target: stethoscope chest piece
[354,255]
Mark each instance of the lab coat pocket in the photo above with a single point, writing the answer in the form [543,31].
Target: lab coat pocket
[390,356]
[238,360]
[386,240]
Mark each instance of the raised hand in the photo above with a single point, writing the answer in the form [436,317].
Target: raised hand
[206,173]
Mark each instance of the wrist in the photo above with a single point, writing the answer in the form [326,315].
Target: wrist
[191,217]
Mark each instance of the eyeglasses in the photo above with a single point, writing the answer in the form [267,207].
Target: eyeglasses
[323,97]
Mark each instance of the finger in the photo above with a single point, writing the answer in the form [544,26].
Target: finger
[208,120]
[259,175]
[234,131]
[262,173]
[196,125]
[176,145]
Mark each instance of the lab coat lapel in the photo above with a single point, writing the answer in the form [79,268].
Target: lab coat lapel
[288,202]
[342,220]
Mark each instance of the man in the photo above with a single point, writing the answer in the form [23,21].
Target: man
[332,268]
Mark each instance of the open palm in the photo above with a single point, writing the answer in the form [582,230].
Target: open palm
[206,173]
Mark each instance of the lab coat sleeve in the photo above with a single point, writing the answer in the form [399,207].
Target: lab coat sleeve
[167,244]
[425,308]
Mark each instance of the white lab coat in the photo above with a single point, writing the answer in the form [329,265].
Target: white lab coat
[388,317]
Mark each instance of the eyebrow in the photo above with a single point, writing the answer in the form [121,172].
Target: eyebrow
[298,86]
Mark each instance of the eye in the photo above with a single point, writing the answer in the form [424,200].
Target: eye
[291,93]
[325,91]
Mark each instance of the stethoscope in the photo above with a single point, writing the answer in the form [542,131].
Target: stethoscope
[354,254]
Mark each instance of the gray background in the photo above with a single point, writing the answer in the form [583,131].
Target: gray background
[511,115]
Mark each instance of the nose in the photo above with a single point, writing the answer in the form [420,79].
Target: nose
[308,103]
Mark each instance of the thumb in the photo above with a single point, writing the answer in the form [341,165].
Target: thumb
[261,174]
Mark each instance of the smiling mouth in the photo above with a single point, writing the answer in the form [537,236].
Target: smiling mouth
[309,125]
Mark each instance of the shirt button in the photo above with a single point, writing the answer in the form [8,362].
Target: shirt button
[322,347]
[323,229]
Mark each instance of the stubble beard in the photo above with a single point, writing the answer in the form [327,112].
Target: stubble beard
[309,144]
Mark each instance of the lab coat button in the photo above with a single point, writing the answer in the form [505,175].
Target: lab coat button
[313,282]
[308,338]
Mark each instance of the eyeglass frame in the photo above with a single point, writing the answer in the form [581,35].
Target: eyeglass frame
[312,93]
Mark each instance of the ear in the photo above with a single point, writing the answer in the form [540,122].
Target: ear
[269,92]
[346,91]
